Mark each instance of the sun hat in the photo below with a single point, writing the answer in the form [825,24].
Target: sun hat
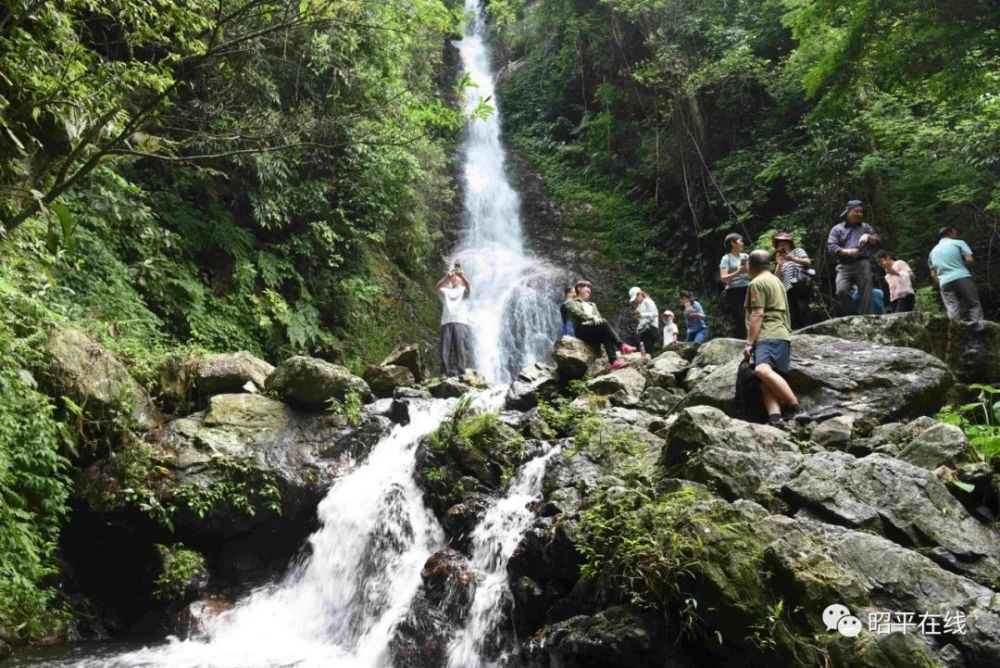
[632,292]
[782,236]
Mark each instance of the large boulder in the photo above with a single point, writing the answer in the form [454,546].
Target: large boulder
[573,357]
[412,357]
[618,636]
[716,352]
[534,382]
[438,609]
[627,380]
[311,383]
[870,382]
[666,370]
[736,459]
[905,503]
[226,373]
[83,370]
[971,349]
[383,380]
[276,462]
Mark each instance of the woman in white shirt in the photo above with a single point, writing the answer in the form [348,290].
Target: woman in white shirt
[647,315]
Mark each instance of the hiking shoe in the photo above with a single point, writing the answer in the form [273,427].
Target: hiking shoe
[790,413]
[618,363]
[775,420]
[626,349]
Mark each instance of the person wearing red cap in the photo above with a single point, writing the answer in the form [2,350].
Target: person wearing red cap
[793,267]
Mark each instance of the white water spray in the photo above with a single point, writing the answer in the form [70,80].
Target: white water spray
[514,315]
[493,542]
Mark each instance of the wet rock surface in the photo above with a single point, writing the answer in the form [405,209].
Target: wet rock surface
[869,382]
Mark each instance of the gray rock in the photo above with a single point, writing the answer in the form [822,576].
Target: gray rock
[869,382]
[310,383]
[81,369]
[533,383]
[734,458]
[229,372]
[617,636]
[971,349]
[383,380]
[450,388]
[834,433]
[627,380]
[716,352]
[412,357]
[573,357]
[666,370]
[904,503]
[938,445]
[813,565]
[660,401]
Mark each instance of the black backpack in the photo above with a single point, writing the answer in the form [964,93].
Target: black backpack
[748,404]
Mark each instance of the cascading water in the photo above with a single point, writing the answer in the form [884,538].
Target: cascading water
[340,605]
[514,318]
[493,541]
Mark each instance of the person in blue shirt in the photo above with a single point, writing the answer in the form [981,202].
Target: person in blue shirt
[851,241]
[694,319]
[567,320]
[878,300]
[949,262]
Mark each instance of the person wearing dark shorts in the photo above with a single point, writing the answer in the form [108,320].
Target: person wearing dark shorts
[769,338]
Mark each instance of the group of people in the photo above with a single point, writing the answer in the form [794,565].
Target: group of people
[764,306]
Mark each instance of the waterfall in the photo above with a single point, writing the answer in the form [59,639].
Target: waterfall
[493,541]
[338,607]
[512,303]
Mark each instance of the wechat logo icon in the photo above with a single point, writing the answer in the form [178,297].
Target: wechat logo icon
[837,617]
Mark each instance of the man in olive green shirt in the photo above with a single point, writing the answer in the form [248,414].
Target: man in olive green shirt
[769,338]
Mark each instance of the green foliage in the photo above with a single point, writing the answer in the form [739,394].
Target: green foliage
[33,484]
[980,420]
[641,542]
[179,568]
[350,407]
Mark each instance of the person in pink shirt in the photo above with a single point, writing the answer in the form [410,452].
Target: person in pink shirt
[900,278]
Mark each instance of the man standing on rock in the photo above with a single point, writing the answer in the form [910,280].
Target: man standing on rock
[592,328]
[454,288]
[850,241]
[949,262]
[769,338]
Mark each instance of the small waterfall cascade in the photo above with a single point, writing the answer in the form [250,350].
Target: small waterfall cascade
[339,606]
[512,303]
[493,541]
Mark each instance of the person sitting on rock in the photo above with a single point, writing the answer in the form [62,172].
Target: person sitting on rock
[454,288]
[769,338]
[591,327]
[900,278]
[695,321]
[878,301]
[646,315]
[569,294]
[670,330]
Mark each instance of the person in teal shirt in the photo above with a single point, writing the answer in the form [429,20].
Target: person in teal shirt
[949,262]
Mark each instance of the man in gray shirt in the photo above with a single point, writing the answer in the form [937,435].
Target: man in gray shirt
[851,242]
